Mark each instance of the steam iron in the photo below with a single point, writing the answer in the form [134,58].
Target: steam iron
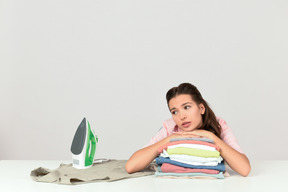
[83,146]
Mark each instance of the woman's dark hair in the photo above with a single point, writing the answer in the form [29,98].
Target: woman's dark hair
[210,122]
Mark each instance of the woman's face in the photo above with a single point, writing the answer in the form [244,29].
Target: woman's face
[186,113]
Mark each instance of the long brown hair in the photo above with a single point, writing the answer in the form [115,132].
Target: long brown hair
[210,122]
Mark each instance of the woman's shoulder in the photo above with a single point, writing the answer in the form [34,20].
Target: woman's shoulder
[222,123]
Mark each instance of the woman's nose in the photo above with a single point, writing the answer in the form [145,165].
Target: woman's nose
[182,115]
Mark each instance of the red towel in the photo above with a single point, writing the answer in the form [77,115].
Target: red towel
[168,168]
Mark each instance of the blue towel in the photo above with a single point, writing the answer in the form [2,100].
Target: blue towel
[161,160]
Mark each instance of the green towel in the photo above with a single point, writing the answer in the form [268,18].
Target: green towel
[193,152]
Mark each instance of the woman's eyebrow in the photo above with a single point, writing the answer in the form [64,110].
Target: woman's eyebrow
[181,105]
[172,109]
[186,103]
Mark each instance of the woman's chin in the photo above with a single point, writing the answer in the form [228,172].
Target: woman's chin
[187,129]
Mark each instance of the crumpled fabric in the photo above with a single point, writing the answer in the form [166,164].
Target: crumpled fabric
[111,170]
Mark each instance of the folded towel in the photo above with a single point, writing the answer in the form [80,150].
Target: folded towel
[191,158]
[161,160]
[194,152]
[190,175]
[205,139]
[187,142]
[167,167]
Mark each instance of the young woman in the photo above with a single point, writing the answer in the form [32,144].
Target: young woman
[191,117]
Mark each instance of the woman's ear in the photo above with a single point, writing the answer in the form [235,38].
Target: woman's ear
[202,108]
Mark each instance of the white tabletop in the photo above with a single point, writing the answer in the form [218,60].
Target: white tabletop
[265,176]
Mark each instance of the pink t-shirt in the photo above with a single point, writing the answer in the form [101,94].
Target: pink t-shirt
[169,126]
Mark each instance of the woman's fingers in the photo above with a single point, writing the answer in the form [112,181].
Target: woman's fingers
[186,134]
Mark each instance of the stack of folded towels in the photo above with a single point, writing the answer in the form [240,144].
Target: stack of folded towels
[190,158]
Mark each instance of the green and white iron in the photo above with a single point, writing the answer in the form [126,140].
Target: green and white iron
[83,146]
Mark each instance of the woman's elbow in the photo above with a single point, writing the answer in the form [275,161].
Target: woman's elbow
[129,168]
[246,171]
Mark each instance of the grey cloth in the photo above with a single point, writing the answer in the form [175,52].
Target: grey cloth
[111,170]
[205,139]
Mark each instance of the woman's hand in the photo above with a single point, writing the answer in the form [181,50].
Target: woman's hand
[183,135]
[203,133]
[196,133]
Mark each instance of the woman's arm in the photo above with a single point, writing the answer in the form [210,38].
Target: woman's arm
[143,157]
[236,160]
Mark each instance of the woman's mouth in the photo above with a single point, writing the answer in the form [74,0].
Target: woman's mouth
[186,124]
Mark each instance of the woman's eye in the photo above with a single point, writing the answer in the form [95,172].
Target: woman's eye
[187,107]
[174,112]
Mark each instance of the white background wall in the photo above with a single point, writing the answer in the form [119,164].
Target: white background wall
[113,62]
